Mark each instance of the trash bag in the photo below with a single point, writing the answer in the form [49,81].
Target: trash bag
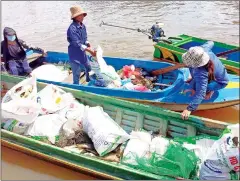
[223,156]
[104,132]
[74,113]
[138,145]
[46,126]
[51,73]
[53,99]
[26,89]
[25,111]
[163,157]
[14,126]
[105,73]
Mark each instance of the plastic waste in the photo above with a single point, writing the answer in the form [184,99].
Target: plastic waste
[14,126]
[53,99]
[46,126]
[26,89]
[24,111]
[74,114]
[51,73]
[104,132]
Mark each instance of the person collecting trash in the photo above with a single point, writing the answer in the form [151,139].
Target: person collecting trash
[223,157]
[78,44]
[207,72]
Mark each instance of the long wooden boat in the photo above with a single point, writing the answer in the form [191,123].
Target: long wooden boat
[172,97]
[129,115]
[228,54]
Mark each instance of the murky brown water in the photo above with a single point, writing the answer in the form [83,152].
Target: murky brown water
[45,24]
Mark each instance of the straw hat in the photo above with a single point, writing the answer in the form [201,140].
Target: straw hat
[195,57]
[76,11]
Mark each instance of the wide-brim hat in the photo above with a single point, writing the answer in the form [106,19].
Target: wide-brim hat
[195,57]
[76,11]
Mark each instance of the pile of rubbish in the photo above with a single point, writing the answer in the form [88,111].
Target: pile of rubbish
[55,117]
[128,78]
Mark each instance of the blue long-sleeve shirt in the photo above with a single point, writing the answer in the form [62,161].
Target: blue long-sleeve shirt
[200,77]
[77,38]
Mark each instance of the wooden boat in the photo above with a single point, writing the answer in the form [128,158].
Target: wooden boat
[129,115]
[170,97]
[228,54]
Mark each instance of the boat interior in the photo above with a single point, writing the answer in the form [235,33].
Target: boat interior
[60,60]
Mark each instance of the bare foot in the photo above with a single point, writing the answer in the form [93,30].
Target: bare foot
[209,95]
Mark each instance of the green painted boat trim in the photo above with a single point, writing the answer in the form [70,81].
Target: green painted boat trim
[178,51]
[130,116]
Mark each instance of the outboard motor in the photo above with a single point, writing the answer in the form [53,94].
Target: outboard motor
[157,31]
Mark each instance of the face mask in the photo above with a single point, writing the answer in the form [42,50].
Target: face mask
[11,38]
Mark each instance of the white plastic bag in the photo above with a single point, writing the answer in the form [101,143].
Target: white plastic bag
[108,72]
[104,132]
[46,125]
[221,158]
[159,145]
[138,145]
[23,110]
[74,114]
[26,89]
[50,72]
[14,126]
[53,99]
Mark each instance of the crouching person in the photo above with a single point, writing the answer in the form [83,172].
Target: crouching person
[13,54]
[223,157]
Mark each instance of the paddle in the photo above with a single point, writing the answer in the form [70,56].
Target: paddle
[180,65]
[167,69]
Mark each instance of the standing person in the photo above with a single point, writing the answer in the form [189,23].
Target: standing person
[78,44]
[13,55]
[207,72]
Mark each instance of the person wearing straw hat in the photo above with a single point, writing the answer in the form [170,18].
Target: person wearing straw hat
[207,72]
[78,44]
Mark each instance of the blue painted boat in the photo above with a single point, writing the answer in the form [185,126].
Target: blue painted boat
[174,97]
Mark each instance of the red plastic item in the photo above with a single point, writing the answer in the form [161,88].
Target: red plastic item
[128,71]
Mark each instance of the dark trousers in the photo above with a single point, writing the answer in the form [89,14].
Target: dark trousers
[18,67]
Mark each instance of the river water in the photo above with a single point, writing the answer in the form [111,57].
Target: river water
[44,24]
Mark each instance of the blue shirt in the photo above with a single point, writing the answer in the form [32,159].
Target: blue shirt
[200,76]
[77,38]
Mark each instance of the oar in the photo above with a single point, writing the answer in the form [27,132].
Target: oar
[180,65]
[167,69]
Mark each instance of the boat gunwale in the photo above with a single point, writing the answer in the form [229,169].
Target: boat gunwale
[141,108]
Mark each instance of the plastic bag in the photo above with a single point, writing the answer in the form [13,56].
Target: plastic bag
[138,145]
[46,125]
[159,145]
[104,132]
[74,114]
[53,99]
[222,157]
[14,126]
[26,89]
[51,73]
[107,71]
[23,110]
[165,157]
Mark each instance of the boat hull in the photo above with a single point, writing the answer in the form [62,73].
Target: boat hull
[129,115]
